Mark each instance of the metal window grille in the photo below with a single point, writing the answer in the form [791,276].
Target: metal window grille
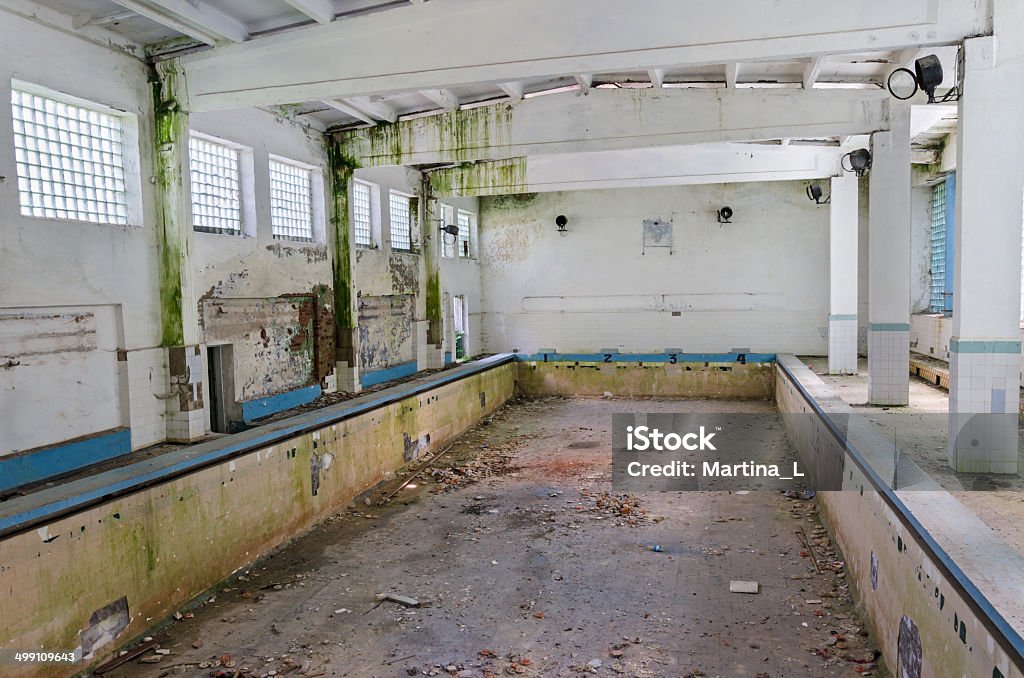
[362,214]
[216,195]
[401,223]
[69,160]
[937,302]
[465,221]
[291,204]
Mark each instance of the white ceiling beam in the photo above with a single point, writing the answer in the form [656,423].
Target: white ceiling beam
[616,119]
[199,21]
[376,108]
[290,66]
[732,74]
[82,20]
[584,80]
[321,11]
[905,57]
[444,98]
[657,76]
[350,110]
[514,90]
[663,166]
[811,71]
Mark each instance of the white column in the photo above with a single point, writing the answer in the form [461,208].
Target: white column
[889,263]
[984,366]
[842,317]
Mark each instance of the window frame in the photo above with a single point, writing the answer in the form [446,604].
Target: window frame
[131,161]
[316,197]
[246,187]
[392,193]
[466,252]
[375,212]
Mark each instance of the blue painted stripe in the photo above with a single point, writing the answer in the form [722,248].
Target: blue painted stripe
[279,402]
[981,346]
[842,316]
[889,327]
[387,374]
[447,357]
[646,357]
[22,513]
[32,466]
[990,617]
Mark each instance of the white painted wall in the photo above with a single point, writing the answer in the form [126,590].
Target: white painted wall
[67,264]
[758,283]
[461,276]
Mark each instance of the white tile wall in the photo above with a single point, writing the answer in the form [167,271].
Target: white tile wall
[842,346]
[147,383]
[888,371]
[984,401]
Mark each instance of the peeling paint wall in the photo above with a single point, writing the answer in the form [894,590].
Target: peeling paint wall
[758,283]
[51,349]
[258,293]
[78,267]
[385,331]
[272,342]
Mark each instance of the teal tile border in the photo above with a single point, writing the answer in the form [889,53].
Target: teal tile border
[842,316]
[889,327]
[970,346]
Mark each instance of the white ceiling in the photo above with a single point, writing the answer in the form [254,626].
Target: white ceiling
[165,25]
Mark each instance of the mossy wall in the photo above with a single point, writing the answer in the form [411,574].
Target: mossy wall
[649,380]
[163,546]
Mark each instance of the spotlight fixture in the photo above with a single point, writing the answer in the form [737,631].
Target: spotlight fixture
[903,83]
[724,214]
[450,229]
[929,75]
[561,221]
[859,161]
[814,193]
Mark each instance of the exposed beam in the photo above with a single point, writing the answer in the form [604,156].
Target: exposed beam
[732,74]
[444,98]
[199,21]
[657,76]
[375,107]
[664,166]
[322,11]
[290,66]
[348,109]
[514,90]
[615,119]
[811,71]
[584,80]
[906,57]
[82,20]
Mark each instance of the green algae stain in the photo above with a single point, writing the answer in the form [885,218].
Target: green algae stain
[170,127]
[483,178]
[341,166]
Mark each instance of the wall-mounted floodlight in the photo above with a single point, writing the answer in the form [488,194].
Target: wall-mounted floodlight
[561,221]
[724,214]
[814,193]
[450,229]
[859,161]
[903,83]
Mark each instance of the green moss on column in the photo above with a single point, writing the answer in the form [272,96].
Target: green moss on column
[170,129]
[341,167]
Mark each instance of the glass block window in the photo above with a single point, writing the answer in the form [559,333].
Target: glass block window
[216,194]
[69,160]
[362,214]
[937,303]
[291,204]
[465,228]
[401,222]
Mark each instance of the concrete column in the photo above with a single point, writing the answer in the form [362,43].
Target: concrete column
[984,366]
[889,263]
[346,334]
[430,338]
[842,317]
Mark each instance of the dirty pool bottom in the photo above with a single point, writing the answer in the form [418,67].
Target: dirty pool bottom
[523,564]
